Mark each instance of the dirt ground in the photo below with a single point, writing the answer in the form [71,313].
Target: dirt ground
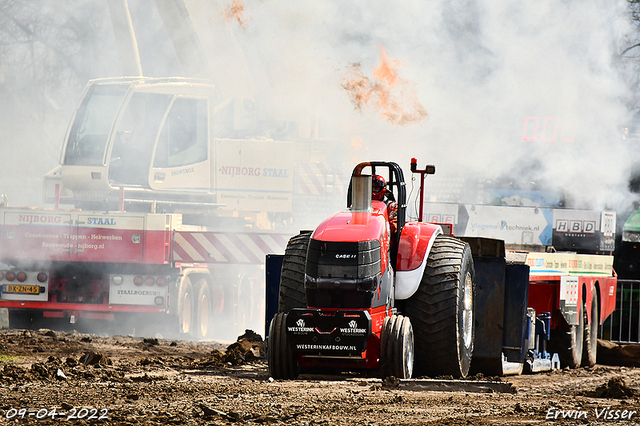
[50,377]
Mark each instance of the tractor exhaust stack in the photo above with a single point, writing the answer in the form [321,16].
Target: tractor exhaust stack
[361,193]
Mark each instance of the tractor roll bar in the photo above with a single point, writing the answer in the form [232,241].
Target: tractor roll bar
[396,182]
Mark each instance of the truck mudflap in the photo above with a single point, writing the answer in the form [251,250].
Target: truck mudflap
[328,334]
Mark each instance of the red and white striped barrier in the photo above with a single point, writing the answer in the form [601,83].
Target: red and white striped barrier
[226,247]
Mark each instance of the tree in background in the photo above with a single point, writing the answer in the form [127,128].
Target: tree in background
[48,51]
[630,55]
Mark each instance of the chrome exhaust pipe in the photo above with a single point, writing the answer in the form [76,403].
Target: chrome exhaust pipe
[361,193]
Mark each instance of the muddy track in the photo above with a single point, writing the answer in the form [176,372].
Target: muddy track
[79,378]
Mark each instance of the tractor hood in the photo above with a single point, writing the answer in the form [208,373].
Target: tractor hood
[347,261]
[348,226]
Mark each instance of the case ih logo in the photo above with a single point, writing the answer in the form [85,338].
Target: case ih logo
[35,218]
[345,256]
[576,226]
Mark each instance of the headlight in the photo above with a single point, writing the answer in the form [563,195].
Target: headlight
[631,236]
[369,283]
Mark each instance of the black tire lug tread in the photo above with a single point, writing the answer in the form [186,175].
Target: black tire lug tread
[292,293]
[384,342]
[433,310]
[397,348]
[273,368]
[564,343]
[282,362]
[590,344]
[390,345]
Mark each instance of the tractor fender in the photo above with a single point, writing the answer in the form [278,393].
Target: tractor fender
[416,241]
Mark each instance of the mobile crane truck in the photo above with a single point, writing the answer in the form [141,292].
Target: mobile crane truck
[175,198]
[365,290]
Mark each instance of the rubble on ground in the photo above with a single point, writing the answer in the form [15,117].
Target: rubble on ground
[248,348]
[167,381]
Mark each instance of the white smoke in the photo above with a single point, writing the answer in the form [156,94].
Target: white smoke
[480,69]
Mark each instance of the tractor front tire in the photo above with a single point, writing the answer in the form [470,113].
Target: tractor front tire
[282,361]
[396,348]
[590,342]
[292,294]
[442,310]
[568,342]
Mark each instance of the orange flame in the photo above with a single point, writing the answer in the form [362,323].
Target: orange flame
[387,71]
[235,11]
[393,97]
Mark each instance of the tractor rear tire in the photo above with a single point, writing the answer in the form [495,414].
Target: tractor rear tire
[590,344]
[282,361]
[442,310]
[396,348]
[292,294]
[568,342]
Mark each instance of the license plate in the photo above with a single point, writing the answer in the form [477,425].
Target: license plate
[20,289]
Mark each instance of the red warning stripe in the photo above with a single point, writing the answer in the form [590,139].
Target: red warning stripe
[226,247]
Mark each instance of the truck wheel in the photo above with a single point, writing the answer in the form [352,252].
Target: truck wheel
[396,348]
[203,310]
[567,342]
[292,294]
[590,343]
[244,312]
[282,361]
[442,310]
[186,308]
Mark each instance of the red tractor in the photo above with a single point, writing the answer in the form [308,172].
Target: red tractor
[369,290]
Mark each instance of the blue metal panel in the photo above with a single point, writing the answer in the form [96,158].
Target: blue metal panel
[500,307]
[515,311]
[489,315]
[273,266]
